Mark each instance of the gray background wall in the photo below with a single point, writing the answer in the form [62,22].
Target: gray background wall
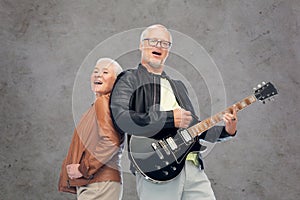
[42,46]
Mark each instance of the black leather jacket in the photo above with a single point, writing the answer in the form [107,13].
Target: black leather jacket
[134,105]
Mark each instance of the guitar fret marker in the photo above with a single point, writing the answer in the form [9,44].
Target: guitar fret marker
[247,101]
[212,120]
[252,99]
[239,106]
[243,103]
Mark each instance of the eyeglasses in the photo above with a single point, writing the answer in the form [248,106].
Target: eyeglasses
[154,43]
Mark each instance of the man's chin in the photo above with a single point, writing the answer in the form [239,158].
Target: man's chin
[155,64]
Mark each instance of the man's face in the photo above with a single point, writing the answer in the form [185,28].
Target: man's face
[153,53]
[103,78]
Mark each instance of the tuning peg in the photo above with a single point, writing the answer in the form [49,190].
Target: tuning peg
[264,83]
[259,85]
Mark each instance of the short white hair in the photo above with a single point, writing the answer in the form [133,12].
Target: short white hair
[146,31]
[110,62]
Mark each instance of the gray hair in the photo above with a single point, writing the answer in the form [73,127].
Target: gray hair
[110,62]
[146,31]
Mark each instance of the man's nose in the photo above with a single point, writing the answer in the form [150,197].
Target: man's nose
[158,46]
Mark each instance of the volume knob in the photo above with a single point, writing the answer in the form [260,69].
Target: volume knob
[166,173]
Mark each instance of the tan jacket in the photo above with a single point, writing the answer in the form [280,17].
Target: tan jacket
[96,146]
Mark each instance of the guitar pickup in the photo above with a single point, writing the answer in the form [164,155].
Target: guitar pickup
[185,135]
[171,143]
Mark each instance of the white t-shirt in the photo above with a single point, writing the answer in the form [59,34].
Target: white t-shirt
[167,97]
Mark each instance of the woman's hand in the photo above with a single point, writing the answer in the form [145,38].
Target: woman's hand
[73,171]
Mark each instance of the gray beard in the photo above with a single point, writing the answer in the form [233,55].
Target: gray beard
[155,65]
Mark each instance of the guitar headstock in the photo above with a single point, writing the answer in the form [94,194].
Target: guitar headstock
[265,91]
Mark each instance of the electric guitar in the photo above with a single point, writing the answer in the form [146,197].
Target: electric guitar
[161,160]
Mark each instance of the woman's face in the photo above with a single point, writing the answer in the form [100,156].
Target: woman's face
[103,78]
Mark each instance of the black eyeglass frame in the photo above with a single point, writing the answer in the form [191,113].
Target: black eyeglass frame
[163,44]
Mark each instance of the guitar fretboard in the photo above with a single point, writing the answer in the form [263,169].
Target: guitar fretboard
[206,124]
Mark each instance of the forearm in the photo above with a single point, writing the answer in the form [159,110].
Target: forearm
[216,134]
[144,124]
[96,160]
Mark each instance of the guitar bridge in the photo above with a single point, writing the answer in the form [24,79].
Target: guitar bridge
[164,146]
[157,151]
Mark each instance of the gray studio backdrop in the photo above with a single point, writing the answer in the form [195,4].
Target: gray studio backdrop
[43,45]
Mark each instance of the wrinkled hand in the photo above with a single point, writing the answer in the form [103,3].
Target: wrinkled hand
[73,171]
[182,118]
[231,121]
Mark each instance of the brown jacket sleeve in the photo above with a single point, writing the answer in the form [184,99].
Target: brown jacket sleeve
[107,143]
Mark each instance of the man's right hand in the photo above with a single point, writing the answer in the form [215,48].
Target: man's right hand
[182,118]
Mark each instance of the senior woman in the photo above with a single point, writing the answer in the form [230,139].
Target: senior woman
[91,168]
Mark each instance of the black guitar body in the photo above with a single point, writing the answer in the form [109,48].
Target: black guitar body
[155,159]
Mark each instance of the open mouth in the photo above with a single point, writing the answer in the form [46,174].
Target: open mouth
[98,83]
[156,53]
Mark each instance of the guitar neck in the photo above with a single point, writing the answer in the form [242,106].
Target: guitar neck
[206,124]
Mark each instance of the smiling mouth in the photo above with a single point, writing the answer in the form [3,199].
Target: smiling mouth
[98,83]
[156,53]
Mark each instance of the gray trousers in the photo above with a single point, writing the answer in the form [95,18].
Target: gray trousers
[107,190]
[191,184]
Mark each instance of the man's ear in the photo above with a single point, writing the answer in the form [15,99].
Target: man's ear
[141,46]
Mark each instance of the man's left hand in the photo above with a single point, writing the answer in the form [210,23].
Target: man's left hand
[231,121]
